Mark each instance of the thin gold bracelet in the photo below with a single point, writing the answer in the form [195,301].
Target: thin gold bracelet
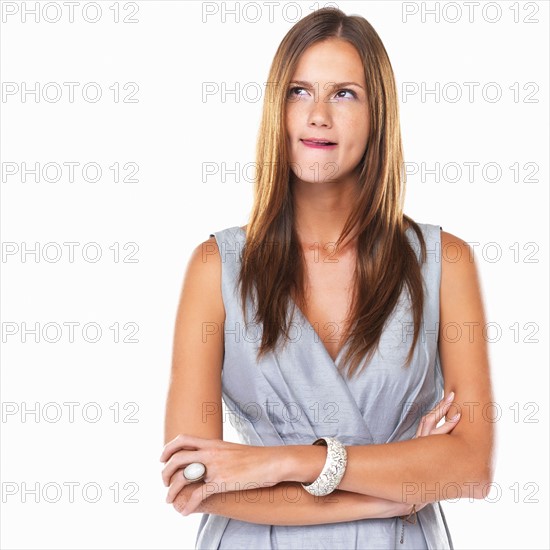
[406,519]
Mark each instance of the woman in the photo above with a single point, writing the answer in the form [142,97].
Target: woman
[329,315]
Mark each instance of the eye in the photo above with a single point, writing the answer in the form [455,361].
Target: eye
[347,91]
[292,92]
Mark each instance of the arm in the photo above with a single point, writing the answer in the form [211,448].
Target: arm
[439,467]
[288,503]
[231,462]
[196,358]
[196,379]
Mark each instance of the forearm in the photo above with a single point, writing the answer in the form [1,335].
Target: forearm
[287,503]
[426,469]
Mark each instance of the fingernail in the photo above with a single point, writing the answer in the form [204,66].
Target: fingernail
[450,396]
[455,417]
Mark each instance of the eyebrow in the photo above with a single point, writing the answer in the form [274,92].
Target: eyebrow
[334,85]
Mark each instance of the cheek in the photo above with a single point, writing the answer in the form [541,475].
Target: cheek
[356,131]
[292,118]
[290,130]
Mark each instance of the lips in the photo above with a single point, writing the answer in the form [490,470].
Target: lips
[318,143]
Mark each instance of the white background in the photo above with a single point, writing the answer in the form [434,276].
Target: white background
[170,132]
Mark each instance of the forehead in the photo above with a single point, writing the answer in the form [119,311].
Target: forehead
[331,60]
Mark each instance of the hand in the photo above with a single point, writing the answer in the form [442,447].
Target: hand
[229,467]
[429,421]
[427,426]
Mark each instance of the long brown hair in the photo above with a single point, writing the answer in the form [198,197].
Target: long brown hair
[386,261]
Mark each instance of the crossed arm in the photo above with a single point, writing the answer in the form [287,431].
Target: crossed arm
[287,503]
[380,480]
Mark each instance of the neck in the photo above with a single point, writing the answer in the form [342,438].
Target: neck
[321,210]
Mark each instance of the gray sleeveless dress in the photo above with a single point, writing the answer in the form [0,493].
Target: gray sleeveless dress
[297,395]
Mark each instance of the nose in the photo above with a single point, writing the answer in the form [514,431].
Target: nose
[319,113]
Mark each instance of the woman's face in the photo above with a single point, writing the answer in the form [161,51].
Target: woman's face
[327,101]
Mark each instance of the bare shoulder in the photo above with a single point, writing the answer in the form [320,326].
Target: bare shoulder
[460,280]
[458,266]
[203,276]
[205,255]
[448,239]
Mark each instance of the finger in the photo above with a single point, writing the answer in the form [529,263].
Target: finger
[428,423]
[441,409]
[194,501]
[431,419]
[180,501]
[444,404]
[177,461]
[437,413]
[180,442]
[448,426]
[419,428]
[177,483]
[420,431]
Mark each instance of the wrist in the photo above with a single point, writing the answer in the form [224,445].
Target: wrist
[369,507]
[406,509]
[301,463]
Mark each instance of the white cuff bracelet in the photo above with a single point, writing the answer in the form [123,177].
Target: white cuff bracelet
[333,470]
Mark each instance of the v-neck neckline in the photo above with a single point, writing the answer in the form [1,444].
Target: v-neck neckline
[316,338]
[315,335]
